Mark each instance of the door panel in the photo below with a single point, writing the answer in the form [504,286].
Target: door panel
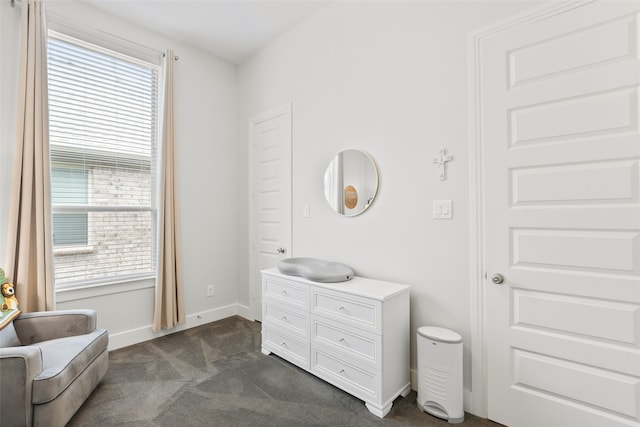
[601,43]
[577,316]
[561,151]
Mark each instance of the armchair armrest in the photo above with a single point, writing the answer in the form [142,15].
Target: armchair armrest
[47,325]
[18,368]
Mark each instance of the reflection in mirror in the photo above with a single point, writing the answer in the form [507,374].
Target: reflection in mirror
[351,182]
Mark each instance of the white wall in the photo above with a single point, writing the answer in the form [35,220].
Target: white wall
[390,78]
[209,165]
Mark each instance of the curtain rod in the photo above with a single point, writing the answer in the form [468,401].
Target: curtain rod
[176,57]
[59,20]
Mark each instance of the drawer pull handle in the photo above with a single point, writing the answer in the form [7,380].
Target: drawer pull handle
[284,344]
[284,318]
[342,372]
[342,308]
[283,292]
[343,341]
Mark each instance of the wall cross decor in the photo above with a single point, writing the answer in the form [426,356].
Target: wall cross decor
[441,160]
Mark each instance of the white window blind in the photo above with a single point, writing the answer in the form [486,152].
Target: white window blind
[103,110]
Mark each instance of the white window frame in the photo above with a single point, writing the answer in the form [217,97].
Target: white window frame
[61,25]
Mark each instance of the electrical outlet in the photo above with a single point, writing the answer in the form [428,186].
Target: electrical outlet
[210,290]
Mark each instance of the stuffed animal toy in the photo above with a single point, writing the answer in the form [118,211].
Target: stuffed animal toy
[8,301]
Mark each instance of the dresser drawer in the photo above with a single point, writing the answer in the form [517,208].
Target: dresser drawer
[359,312]
[365,346]
[289,292]
[360,382]
[291,349]
[285,317]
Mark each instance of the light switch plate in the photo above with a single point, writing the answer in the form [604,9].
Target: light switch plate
[442,209]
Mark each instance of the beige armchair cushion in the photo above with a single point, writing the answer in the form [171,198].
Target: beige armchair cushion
[63,360]
[46,325]
[8,336]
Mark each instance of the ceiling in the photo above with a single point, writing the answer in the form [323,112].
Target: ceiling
[230,29]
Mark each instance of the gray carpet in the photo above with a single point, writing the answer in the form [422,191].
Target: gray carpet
[215,375]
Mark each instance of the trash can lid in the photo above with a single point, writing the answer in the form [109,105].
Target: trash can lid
[437,333]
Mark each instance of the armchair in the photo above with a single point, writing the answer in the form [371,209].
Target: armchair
[50,362]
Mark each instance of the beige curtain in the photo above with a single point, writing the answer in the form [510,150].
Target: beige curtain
[29,262]
[169,301]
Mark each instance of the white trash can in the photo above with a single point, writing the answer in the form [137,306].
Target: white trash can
[440,373]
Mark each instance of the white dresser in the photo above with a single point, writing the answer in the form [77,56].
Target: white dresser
[354,335]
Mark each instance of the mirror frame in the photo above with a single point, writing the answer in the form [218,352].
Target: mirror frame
[370,198]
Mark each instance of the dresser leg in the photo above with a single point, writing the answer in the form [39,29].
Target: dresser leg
[265,351]
[379,411]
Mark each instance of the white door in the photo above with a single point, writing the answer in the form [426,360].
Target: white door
[270,135]
[561,148]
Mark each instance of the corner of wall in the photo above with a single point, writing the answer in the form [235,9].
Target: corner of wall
[144,333]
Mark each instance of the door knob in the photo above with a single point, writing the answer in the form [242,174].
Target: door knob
[497,278]
[281,250]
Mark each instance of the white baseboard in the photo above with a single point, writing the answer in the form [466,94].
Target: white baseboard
[145,333]
[244,311]
[467,396]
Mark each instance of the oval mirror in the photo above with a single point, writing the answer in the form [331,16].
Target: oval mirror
[351,182]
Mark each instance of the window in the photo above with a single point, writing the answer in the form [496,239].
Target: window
[103,129]
[69,186]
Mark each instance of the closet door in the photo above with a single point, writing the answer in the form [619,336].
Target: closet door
[270,196]
[561,150]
